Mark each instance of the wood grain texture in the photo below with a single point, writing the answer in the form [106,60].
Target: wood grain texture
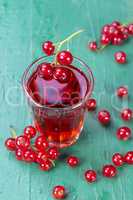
[23,26]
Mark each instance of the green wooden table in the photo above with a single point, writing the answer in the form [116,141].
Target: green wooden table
[23,26]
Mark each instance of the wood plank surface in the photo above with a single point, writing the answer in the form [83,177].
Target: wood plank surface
[23,26]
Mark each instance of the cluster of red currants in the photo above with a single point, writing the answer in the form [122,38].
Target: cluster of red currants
[38,152]
[63,57]
[115,34]
[48,71]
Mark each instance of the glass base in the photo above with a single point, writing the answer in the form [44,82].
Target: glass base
[65,144]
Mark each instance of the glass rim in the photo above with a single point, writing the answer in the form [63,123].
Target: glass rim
[54,108]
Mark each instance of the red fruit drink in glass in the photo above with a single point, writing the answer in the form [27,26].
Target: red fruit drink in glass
[58,108]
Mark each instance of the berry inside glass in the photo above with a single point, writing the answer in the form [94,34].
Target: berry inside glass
[57,97]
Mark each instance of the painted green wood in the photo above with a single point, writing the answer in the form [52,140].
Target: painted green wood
[23,26]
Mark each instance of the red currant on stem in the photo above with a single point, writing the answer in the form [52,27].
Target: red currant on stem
[48,48]
[30,132]
[117,40]
[19,154]
[105,39]
[10,144]
[62,74]
[59,192]
[124,31]
[105,29]
[93,46]
[64,58]
[53,153]
[45,71]
[72,161]
[130,29]
[116,23]
[128,158]
[123,133]
[29,156]
[90,176]
[41,143]
[45,165]
[91,104]
[118,159]
[120,57]
[122,92]
[41,155]
[126,114]
[109,171]
[22,142]
[104,117]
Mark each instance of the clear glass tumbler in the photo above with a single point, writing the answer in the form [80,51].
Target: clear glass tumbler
[61,126]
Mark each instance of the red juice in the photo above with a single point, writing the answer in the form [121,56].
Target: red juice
[58,112]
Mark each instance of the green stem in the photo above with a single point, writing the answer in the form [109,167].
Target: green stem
[71,36]
[13,132]
[67,40]
[101,48]
[125,24]
[53,163]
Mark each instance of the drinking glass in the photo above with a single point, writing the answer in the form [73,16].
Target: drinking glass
[61,126]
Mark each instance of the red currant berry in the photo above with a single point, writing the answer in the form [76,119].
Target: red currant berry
[120,57]
[118,159]
[128,158]
[45,71]
[29,156]
[59,192]
[105,39]
[19,154]
[124,31]
[64,58]
[10,144]
[72,161]
[126,114]
[41,143]
[116,24]
[93,46]
[91,104]
[41,155]
[130,29]
[62,74]
[116,33]
[104,117]
[22,142]
[109,171]
[117,40]
[90,176]
[48,48]
[125,37]
[123,133]
[112,30]
[122,92]
[45,165]
[53,153]
[30,132]
[105,29]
